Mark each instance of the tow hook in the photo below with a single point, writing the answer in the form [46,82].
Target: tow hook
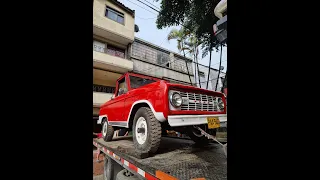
[209,136]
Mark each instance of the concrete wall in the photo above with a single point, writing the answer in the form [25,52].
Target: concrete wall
[159,71]
[100,98]
[155,61]
[112,63]
[101,21]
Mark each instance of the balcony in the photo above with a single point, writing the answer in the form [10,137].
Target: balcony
[111,63]
[110,29]
[99,98]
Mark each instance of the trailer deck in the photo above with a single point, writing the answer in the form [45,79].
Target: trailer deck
[179,158]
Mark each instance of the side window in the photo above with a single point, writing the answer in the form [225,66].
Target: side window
[136,82]
[122,88]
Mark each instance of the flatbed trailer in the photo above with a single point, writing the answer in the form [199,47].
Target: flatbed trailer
[175,159]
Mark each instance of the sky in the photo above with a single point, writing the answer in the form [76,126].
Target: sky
[146,18]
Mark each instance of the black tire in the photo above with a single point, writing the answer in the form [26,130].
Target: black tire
[199,140]
[121,176]
[108,169]
[153,135]
[108,135]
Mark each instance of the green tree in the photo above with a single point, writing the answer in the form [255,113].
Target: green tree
[196,16]
[180,36]
[192,44]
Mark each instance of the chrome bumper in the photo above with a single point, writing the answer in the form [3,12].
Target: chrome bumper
[188,120]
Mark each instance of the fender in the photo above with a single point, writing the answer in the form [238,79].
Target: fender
[100,118]
[158,115]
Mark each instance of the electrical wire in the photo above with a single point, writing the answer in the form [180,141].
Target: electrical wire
[145,70]
[152,4]
[149,6]
[145,18]
[141,7]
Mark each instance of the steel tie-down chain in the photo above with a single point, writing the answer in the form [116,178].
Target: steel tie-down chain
[224,146]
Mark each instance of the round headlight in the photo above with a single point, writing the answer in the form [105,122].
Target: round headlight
[220,103]
[176,99]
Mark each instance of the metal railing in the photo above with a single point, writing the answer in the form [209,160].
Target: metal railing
[104,89]
[110,51]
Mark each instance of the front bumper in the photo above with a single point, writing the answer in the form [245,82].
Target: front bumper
[189,120]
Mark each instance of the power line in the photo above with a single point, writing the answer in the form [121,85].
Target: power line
[164,38]
[159,12]
[151,4]
[210,66]
[148,6]
[141,7]
[145,18]
[162,41]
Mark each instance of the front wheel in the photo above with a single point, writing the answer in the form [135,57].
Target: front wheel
[107,131]
[146,131]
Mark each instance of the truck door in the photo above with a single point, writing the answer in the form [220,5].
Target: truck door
[118,105]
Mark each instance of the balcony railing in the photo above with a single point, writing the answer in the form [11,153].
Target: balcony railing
[110,50]
[104,89]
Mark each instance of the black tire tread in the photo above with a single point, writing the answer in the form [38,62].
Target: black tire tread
[154,129]
[110,132]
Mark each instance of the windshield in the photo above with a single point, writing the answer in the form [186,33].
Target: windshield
[136,82]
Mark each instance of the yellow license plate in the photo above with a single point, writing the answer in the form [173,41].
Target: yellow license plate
[213,122]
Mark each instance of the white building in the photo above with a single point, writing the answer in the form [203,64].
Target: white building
[156,61]
[213,78]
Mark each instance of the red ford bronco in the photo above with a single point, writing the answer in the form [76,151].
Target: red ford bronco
[150,106]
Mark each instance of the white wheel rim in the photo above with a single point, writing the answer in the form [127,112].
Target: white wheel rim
[104,129]
[141,137]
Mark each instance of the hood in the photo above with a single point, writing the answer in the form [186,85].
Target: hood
[193,89]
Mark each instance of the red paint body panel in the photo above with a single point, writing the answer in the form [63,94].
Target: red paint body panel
[118,109]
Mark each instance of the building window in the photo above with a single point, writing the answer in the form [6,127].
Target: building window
[163,59]
[98,46]
[114,51]
[108,49]
[115,15]
[104,89]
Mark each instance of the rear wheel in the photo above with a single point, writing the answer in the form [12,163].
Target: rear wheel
[107,131]
[146,131]
[108,172]
[125,175]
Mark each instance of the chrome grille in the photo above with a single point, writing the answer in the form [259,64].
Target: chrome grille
[199,102]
